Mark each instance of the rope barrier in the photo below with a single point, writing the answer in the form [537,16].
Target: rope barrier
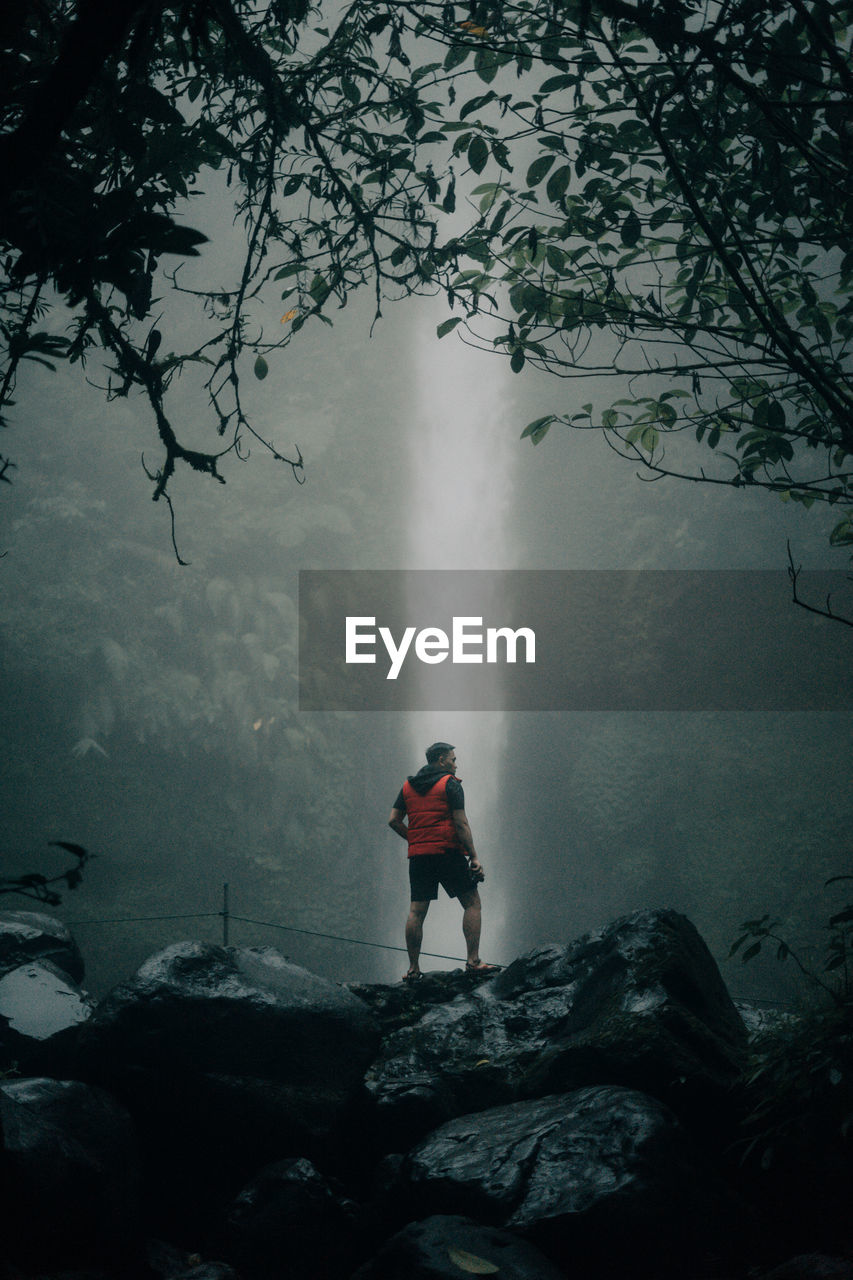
[334,937]
[265,924]
[226,915]
[198,915]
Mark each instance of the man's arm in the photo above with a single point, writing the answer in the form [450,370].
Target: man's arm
[463,832]
[396,823]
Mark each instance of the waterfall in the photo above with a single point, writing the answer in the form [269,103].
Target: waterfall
[459,448]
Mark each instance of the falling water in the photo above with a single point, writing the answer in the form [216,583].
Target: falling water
[459,505]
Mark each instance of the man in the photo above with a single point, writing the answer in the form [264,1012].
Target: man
[441,851]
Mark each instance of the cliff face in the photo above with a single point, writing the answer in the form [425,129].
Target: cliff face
[570,1115]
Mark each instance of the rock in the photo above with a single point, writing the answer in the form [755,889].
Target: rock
[400,1004]
[639,1003]
[207,1271]
[228,1058]
[69,1174]
[30,935]
[758,1019]
[165,1260]
[812,1266]
[38,1001]
[599,1178]
[447,1247]
[291,1220]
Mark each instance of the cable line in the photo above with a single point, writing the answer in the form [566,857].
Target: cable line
[334,937]
[266,924]
[225,916]
[198,915]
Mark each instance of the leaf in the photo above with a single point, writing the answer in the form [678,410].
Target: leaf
[154,104]
[377,24]
[516,362]
[776,415]
[632,229]
[471,1263]
[351,90]
[478,154]
[474,104]
[556,83]
[558,183]
[447,326]
[261,368]
[76,849]
[538,169]
[538,429]
[456,54]
[556,258]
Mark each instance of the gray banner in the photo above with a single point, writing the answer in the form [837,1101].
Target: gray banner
[573,640]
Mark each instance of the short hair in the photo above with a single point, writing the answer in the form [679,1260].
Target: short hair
[437,750]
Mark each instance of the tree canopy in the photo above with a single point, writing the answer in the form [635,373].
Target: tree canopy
[655,192]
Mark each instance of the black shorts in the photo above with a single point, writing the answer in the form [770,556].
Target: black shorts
[429,870]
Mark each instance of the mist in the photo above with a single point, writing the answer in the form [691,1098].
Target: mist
[150,709]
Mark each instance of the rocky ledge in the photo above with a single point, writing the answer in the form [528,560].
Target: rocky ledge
[574,1115]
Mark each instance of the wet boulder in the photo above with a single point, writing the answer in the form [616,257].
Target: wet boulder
[30,935]
[168,1262]
[812,1266]
[38,1003]
[229,1058]
[292,1220]
[640,1003]
[399,1004]
[600,1179]
[69,1175]
[447,1247]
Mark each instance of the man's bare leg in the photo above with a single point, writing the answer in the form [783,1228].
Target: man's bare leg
[415,935]
[472,920]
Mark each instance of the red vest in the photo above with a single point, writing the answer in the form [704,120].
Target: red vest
[431,828]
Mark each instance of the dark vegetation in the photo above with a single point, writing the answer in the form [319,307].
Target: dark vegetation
[658,193]
[40,887]
[799,1083]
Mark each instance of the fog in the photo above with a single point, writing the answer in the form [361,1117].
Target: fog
[150,710]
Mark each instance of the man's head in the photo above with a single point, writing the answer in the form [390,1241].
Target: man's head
[442,754]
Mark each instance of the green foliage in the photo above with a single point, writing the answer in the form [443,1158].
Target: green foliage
[666,199]
[692,201]
[835,976]
[799,1087]
[799,1083]
[39,887]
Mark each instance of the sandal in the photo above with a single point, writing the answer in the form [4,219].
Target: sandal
[482,967]
[412,976]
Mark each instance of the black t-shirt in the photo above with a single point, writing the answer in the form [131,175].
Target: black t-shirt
[455,795]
